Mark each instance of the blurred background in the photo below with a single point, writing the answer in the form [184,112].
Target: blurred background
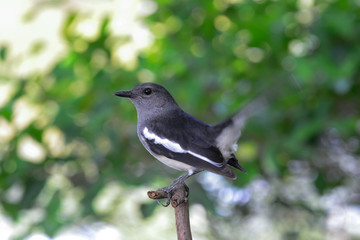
[71,166]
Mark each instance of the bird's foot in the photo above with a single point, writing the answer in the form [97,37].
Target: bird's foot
[169,191]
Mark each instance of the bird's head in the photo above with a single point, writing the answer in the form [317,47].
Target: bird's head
[149,98]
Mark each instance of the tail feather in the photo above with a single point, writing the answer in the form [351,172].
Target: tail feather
[227,172]
[224,171]
[228,132]
[234,163]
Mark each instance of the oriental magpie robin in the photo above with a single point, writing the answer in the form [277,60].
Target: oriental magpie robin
[182,141]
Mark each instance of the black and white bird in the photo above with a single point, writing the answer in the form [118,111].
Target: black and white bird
[182,141]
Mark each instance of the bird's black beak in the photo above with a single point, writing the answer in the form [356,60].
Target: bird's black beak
[127,94]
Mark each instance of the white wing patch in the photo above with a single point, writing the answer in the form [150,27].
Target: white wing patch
[172,146]
[175,147]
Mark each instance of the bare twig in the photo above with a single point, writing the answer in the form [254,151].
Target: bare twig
[180,202]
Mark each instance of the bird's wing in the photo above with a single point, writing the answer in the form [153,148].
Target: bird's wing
[174,155]
[184,136]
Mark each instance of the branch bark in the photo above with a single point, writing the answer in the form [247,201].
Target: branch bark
[180,202]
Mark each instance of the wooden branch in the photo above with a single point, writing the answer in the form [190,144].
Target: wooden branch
[180,202]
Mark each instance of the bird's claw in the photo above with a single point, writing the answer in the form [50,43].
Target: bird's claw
[169,192]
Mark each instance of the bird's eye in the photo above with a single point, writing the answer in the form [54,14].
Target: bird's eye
[147,91]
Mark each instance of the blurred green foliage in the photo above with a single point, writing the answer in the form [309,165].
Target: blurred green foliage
[213,56]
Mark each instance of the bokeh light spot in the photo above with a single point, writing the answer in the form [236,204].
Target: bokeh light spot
[222,23]
[31,150]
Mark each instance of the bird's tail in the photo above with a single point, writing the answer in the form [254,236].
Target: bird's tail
[227,172]
[234,163]
[250,109]
[228,132]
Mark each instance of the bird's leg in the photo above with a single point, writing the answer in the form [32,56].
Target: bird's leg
[172,186]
